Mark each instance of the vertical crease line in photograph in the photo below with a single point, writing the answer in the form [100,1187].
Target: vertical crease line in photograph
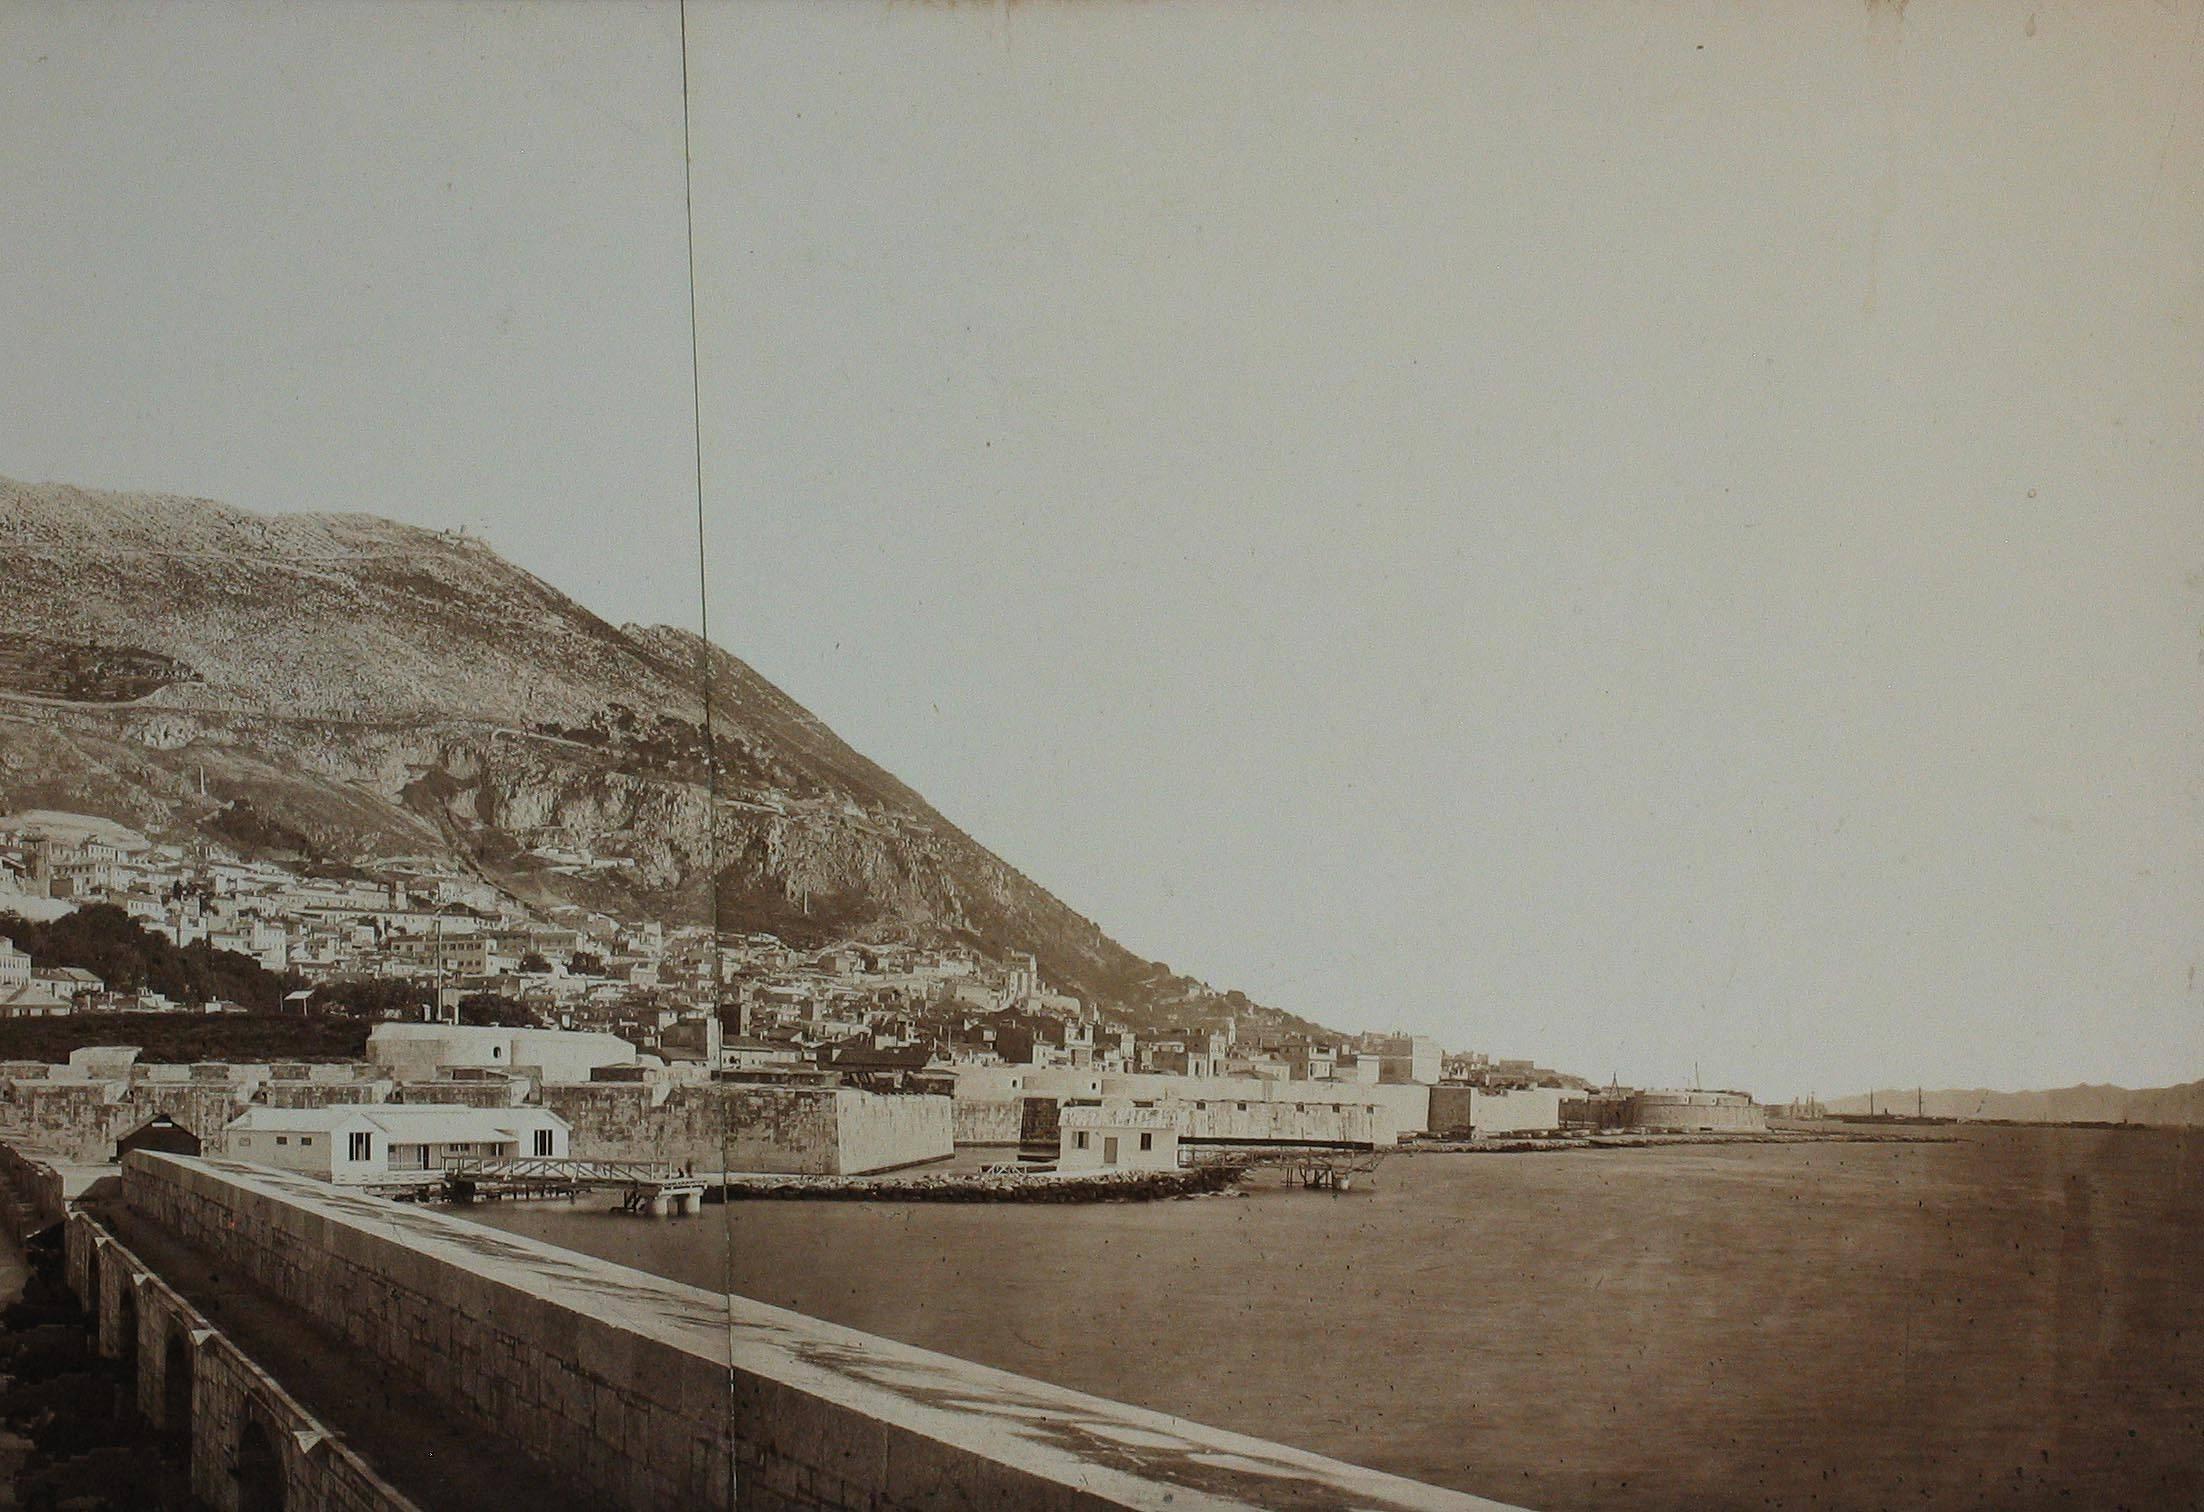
[711,745]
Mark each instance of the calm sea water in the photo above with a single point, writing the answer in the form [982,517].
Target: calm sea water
[2012,1319]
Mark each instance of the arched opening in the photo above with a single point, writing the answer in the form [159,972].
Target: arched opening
[259,1470]
[176,1373]
[126,1326]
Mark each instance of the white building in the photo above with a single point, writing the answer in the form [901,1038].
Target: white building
[372,1142]
[15,967]
[1119,1137]
[418,1052]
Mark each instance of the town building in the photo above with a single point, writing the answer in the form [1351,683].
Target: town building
[15,967]
[1118,1136]
[373,1143]
[419,1052]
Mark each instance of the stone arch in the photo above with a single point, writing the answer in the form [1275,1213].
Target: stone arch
[257,1468]
[178,1366]
[126,1323]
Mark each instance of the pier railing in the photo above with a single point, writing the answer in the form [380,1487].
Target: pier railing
[548,1168]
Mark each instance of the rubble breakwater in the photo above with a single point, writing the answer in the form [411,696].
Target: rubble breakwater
[1535,1144]
[985,1186]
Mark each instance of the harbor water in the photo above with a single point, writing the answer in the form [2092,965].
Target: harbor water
[2009,1318]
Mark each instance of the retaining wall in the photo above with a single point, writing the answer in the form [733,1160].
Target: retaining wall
[652,1394]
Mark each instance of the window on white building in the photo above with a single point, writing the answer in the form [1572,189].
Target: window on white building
[1147,1141]
[361,1147]
[543,1141]
[1079,1139]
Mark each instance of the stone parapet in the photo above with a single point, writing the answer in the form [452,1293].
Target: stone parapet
[651,1394]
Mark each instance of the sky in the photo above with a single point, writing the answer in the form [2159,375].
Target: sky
[1664,538]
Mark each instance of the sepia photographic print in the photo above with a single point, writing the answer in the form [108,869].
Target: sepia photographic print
[1077,754]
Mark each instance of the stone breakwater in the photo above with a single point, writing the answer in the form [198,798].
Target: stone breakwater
[1538,1145]
[1011,1186]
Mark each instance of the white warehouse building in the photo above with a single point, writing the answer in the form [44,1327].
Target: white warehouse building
[379,1142]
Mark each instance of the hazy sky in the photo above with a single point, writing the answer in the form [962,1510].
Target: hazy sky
[1639,535]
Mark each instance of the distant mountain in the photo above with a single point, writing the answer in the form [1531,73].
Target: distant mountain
[2082,1104]
[337,687]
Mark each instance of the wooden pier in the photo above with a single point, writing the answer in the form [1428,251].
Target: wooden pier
[646,1186]
[1319,1168]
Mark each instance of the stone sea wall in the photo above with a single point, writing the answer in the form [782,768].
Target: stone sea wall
[739,1126]
[651,1394]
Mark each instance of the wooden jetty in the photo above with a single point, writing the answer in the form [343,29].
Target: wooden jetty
[646,1186]
[1320,1168]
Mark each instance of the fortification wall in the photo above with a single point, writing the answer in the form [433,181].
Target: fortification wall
[882,1133]
[1406,1106]
[35,1188]
[79,1121]
[651,1394]
[986,1121]
[190,1379]
[320,1093]
[1233,1121]
[463,1094]
[741,1126]
[1461,1111]
[1697,1112]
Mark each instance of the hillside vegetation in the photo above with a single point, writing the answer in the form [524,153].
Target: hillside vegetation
[127,957]
[177,1039]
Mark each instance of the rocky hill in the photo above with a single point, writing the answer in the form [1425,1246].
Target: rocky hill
[2080,1104]
[340,687]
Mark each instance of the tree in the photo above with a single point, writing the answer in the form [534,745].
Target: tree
[374,997]
[489,1008]
[534,963]
[128,957]
[586,963]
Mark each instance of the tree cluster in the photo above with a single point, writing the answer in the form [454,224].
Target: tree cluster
[128,957]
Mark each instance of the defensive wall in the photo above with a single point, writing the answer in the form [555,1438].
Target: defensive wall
[987,1120]
[1405,1108]
[1678,1112]
[1697,1112]
[419,1052]
[651,1394]
[77,1113]
[1458,1110]
[36,1191]
[1257,1122]
[252,1444]
[743,1126]
[79,1121]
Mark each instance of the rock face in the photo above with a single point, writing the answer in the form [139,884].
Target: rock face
[343,687]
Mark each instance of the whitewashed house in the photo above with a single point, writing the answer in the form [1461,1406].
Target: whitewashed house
[1117,1137]
[378,1142]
